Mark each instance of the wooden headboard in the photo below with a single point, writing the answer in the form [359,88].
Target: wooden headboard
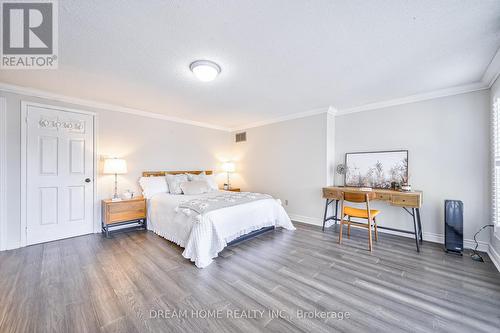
[163,173]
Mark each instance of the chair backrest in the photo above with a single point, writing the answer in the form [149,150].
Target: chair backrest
[359,196]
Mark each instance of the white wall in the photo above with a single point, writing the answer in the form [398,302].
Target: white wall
[289,161]
[448,143]
[146,144]
[293,160]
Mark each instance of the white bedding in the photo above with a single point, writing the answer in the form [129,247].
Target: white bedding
[202,239]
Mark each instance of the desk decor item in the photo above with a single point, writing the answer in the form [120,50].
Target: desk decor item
[115,166]
[406,187]
[377,169]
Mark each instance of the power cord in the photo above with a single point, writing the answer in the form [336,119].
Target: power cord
[475,256]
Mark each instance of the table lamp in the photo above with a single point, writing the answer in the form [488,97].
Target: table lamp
[228,167]
[115,166]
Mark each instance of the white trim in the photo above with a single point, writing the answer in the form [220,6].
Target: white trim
[23,173]
[482,246]
[332,110]
[492,71]
[55,107]
[417,98]
[487,81]
[97,203]
[3,173]
[292,116]
[33,92]
[327,109]
[24,110]
[306,219]
[494,256]
[103,106]
[428,236]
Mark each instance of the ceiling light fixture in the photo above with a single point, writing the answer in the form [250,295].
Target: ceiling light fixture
[205,70]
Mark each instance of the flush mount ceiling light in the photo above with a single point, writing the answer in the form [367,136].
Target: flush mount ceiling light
[205,70]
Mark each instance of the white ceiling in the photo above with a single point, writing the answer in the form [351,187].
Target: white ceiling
[277,57]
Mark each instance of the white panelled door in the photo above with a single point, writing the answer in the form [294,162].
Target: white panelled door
[59,174]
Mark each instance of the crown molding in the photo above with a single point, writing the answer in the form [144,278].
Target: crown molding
[467,88]
[32,92]
[313,112]
[489,78]
[332,111]
[492,71]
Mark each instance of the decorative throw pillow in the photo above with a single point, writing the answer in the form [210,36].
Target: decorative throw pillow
[192,176]
[212,183]
[153,185]
[174,182]
[210,179]
[195,187]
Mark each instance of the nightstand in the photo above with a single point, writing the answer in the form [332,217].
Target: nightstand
[234,189]
[118,213]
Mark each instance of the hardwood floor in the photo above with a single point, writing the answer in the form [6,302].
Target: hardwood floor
[123,284]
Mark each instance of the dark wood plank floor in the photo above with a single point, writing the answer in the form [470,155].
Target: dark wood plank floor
[92,284]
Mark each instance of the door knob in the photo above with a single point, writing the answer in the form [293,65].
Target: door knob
[87,180]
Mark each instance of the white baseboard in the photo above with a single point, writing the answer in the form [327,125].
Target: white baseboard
[482,246]
[428,236]
[306,219]
[494,256]
[13,246]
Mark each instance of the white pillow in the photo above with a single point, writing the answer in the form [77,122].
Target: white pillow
[210,179]
[192,176]
[174,182]
[153,185]
[195,187]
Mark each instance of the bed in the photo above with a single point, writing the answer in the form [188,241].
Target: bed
[204,233]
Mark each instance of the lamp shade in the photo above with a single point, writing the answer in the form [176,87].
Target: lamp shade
[228,167]
[115,166]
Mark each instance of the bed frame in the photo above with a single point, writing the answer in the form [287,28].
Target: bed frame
[164,173]
[208,172]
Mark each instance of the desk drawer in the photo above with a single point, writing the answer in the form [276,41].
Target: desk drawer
[405,200]
[383,196]
[329,193]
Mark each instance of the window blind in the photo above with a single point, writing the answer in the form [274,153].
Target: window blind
[496,162]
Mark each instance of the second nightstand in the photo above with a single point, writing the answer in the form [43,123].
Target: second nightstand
[234,189]
[117,213]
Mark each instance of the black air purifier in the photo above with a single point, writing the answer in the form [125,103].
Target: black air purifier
[454,226]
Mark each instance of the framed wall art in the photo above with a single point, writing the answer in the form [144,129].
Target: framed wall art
[378,169]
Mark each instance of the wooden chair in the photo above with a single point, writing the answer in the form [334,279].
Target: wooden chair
[367,214]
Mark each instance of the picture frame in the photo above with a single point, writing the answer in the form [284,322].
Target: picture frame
[376,169]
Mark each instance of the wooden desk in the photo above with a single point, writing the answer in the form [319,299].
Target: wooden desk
[411,202]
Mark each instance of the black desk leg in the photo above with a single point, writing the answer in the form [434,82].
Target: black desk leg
[326,210]
[420,232]
[415,228]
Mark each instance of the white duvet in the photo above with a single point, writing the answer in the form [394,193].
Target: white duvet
[202,239]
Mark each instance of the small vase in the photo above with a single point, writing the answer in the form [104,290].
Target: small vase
[406,188]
